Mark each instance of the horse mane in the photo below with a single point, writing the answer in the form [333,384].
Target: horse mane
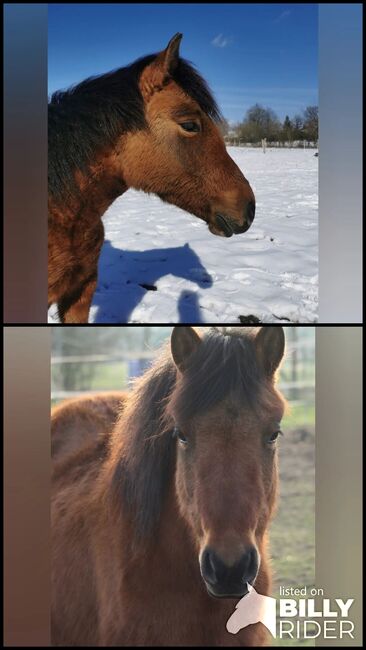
[224,366]
[91,116]
[144,453]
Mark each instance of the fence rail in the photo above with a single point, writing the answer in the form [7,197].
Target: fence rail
[297,387]
[67,394]
[296,144]
[102,358]
[148,355]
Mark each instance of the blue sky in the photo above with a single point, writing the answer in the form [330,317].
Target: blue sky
[248,53]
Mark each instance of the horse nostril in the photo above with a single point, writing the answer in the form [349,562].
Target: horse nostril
[208,569]
[215,571]
[250,212]
[229,581]
[248,565]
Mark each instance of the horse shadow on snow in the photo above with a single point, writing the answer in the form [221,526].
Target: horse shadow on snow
[125,277]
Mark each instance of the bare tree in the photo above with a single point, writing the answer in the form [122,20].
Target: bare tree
[259,123]
[311,123]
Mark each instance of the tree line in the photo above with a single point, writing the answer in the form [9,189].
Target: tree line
[260,123]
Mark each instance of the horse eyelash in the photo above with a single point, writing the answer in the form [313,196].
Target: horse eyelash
[271,442]
[177,434]
[198,130]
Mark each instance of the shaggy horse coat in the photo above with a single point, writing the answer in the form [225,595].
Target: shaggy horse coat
[159,526]
[81,420]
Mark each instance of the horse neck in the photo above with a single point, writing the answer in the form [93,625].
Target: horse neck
[170,558]
[97,189]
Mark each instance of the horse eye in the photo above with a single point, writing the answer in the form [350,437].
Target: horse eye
[179,435]
[274,437]
[192,127]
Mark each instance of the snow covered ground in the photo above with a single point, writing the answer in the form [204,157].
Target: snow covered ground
[270,272]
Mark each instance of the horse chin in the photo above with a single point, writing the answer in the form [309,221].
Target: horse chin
[215,231]
[237,596]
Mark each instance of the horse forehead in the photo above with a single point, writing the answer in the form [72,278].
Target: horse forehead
[228,418]
[231,417]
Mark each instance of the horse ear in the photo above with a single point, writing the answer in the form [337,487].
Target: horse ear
[170,56]
[184,342]
[270,348]
[160,70]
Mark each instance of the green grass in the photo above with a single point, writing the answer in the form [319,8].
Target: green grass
[110,377]
[105,377]
[299,416]
[292,535]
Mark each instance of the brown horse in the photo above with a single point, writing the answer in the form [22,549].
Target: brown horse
[159,527]
[80,420]
[152,126]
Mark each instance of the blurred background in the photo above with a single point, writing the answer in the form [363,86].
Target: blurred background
[94,359]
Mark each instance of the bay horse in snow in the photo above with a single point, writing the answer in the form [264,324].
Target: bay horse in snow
[152,126]
[160,525]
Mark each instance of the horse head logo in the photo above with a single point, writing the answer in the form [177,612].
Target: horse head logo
[253,608]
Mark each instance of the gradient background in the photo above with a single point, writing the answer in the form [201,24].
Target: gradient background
[27,473]
[340,163]
[340,171]
[25,158]
[338,469]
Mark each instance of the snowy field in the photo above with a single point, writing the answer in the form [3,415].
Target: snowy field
[270,272]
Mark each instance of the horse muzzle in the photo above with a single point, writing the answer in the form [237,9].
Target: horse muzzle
[223,581]
[226,226]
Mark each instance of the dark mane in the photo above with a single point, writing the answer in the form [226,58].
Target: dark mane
[90,116]
[142,473]
[225,365]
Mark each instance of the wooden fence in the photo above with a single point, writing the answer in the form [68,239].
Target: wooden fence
[297,379]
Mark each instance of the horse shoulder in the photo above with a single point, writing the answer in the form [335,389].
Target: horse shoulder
[80,420]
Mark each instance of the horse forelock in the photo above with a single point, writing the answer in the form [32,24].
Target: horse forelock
[224,367]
